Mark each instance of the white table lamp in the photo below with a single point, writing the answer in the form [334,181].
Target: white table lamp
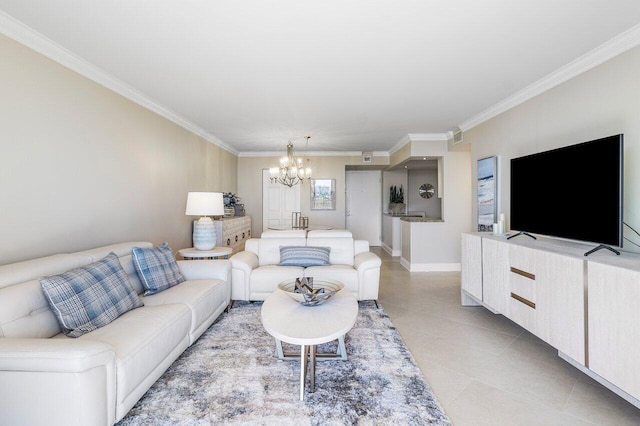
[204,204]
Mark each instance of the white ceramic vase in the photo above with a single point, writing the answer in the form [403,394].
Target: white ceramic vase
[204,234]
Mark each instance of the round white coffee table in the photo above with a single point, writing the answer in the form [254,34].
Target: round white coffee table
[192,253]
[308,326]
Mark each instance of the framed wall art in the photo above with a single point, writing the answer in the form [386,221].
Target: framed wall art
[323,194]
[487,193]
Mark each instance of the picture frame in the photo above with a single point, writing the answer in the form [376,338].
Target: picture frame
[323,194]
[487,181]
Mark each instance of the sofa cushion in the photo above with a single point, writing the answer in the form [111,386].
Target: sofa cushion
[342,248]
[90,297]
[157,268]
[143,340]
[304,256]
[203,297]
[347,275]
[24,310]
[269,250]
[329,233]
[289,233]
[124,253]
[267,278]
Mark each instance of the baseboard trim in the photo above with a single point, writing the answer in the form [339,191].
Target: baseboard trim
[429,267]
[392,253]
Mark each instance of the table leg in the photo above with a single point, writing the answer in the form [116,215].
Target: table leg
[310,355]
[304,351]
[342,349]
[279,352]
[312,367]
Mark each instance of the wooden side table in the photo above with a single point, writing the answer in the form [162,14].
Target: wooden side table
[216,252]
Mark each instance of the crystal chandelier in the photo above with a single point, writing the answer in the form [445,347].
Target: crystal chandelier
[291,170]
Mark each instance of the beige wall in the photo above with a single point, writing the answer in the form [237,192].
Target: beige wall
[601,102]
[393,178]
[323,167]
[436,246]
[400,155]
[432,207]
[81,166]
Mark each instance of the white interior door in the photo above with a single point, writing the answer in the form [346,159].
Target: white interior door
[278,202]
[364,205]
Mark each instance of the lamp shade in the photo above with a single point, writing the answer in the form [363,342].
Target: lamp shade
[205,204]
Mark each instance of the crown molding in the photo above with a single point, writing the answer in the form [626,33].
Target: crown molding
[418,137]
[25,35]
[427,137]
[398,145]
[614,47]
[307,153]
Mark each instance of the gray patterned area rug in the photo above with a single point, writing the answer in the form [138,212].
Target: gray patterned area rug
[231,376]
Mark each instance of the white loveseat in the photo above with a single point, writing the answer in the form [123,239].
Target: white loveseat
[47,378]
[256,273]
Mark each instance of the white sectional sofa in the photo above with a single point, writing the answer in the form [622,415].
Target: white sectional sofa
[256,272]
[47,378]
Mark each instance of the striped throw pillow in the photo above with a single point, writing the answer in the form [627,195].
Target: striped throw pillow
[304,256]
[90,297]
[157,268]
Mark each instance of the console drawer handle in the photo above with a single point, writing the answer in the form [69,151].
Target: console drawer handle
[523,273]
[521,299]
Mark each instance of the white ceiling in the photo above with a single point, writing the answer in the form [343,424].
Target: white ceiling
[356,75]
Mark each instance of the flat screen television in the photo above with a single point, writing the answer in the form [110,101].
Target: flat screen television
[574,192]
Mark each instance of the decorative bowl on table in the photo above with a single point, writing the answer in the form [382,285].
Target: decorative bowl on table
[308,292]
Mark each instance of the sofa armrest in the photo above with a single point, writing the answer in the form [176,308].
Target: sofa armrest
[53,355]
[57,382]
[244,260]
[205,269]
[366,260]
[368,266]
[242,264]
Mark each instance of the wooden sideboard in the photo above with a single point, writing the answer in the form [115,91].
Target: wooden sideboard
[232,232]
[585,307]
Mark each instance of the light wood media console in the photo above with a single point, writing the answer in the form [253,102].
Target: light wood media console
[588,308]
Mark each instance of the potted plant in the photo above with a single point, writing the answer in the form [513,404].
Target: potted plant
[396,200]
[232,206]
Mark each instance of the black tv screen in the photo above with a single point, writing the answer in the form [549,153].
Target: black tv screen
[574,192]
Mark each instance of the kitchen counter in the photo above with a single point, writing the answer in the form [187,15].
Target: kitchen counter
[420,219]
[404,214]
[392,224]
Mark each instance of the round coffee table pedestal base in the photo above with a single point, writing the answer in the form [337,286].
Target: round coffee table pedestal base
[288,321]
[309,354]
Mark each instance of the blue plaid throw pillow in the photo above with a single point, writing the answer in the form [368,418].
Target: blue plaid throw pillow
[157,268]
[304,256]
[90,297]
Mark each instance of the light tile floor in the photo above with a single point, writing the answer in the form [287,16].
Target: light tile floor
[483,368]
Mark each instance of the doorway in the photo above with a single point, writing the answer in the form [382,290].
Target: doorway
[278,202]
[364,205]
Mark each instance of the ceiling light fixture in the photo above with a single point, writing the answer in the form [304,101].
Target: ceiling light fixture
[291,170]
